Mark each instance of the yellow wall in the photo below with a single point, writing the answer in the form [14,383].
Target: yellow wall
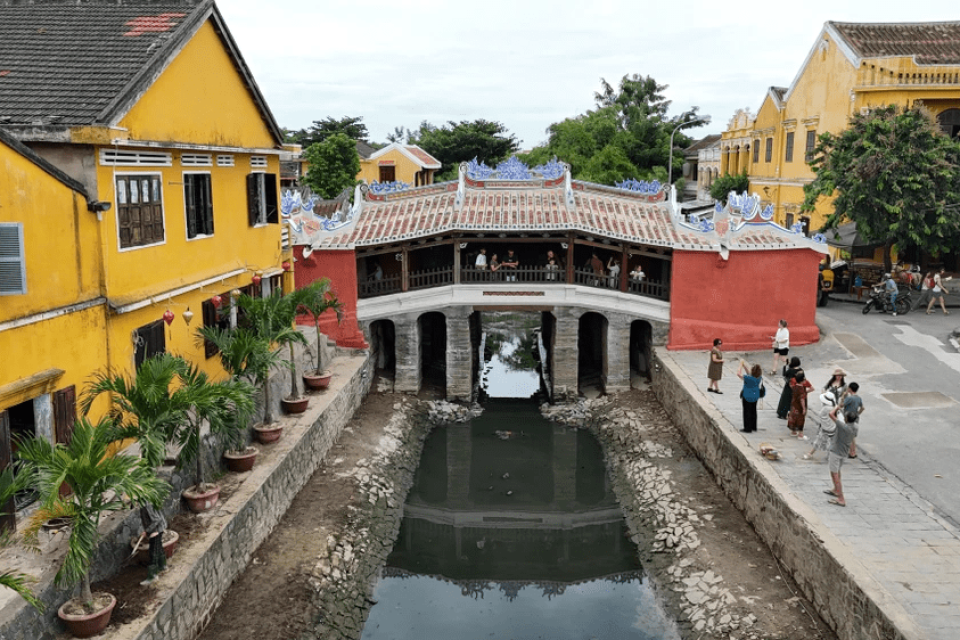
[406,169]
[200,98]
[820,101]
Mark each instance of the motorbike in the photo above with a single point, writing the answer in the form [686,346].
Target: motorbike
[881,301]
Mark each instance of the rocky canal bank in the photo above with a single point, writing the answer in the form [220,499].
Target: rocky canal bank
[313,578]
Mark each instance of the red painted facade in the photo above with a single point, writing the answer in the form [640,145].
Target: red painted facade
[740,300]
[341,268]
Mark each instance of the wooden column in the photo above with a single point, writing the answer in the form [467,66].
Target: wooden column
[405,270]
[570,260]
[456,261]
[624,260]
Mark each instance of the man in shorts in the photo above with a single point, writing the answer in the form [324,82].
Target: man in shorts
[852,403]
[846,432]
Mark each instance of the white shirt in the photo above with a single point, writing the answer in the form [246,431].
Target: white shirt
[482,260]
[782,338]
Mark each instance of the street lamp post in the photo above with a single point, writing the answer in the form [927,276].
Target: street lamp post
[697,120]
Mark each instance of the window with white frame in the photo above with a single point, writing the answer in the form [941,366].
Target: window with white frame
[198,203]
[262,199]
[139,209]
[13,264]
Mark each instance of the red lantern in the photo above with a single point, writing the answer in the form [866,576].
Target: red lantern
[217,301]
[168,317]
[287,266]
[256,280]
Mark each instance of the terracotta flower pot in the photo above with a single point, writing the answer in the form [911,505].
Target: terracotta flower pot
[268,435]
[200,501]
[170,540]
[295,405]
[241,461]
[316,380]
[86,625]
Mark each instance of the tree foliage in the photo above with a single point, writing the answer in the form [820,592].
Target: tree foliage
[896,175]
[722,186]
[626,136]
[334,165]
[321,130]
[457,142]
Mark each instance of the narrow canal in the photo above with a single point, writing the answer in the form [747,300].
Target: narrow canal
[511,529]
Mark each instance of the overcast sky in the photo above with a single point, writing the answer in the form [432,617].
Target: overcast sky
[529,63]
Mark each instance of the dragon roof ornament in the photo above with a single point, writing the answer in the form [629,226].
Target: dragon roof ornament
[513,169]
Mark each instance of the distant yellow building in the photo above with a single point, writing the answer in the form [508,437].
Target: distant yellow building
[144,187]
[396,162]
[851,68]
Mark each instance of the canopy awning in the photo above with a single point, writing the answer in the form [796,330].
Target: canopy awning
[846,236]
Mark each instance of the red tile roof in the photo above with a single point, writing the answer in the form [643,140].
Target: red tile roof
[422,155]
[928,42]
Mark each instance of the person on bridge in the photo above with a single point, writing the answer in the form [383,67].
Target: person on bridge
[494,267]
[481,263]
[637,274]
[750,394]
[614,268]
[715,369]
[597,265]
[510,264]
[842,440]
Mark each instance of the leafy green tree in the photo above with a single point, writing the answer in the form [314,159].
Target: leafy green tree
[334,165]
[321,130]
[896,175]
[400,134]
[458,142]
[99,481]
[722,186]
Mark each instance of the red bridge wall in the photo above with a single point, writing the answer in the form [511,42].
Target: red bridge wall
[341,268]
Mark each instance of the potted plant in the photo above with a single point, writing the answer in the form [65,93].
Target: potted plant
[10,484]
[99,481]
[226,408]
[316,299]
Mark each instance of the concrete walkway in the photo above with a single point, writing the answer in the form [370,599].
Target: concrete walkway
[901,541]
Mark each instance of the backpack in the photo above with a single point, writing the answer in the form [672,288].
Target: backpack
[931,283]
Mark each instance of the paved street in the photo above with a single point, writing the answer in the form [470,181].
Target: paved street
[902,492]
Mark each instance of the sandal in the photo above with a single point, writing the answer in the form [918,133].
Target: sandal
[830,492]
[837,502]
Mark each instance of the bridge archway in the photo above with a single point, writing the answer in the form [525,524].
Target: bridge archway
[432,328]
[592,351]
[383,347]
[641,345]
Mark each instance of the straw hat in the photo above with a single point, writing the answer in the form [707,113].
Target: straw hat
[839,372]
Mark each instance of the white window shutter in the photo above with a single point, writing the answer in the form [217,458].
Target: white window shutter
[13,272]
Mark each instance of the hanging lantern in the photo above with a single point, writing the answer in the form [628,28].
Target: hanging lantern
[187,316]
[257,279]
[168,317]
[286,265]
[217,301]
[235,293]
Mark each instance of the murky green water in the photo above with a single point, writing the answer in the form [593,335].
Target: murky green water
[511,531]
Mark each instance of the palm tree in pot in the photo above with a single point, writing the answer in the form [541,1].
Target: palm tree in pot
[272,319]
[226,407]
[10,484]
[315,300]
[99,481]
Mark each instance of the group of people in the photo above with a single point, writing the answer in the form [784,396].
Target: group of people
[841,406]
[508,266]
[932,289]
[608,274]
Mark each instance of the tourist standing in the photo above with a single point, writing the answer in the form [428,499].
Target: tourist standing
[827,427]
[715,369]
[843,439]
[797,418]
[614,268]
[783,407]
[510,264]
[481,263]
[939,290]
[750,394]
[781,345]
[852,403]
[837,383]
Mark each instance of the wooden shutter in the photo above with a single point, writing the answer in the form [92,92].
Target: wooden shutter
[153,205]
[190,204]
[207,206]
[209,320]
[13,273]
[64,413]
[253,198]
[8,519]
[270,196]
[123,212]
[151,341]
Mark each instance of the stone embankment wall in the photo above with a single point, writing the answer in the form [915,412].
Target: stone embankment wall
[349,565]
[828,573]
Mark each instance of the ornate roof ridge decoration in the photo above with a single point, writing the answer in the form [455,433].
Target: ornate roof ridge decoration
[641,186]
[513,169]
[383,188]
[310,217]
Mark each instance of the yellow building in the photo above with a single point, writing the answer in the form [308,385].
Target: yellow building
[851,68]
[152,113]
[396,162]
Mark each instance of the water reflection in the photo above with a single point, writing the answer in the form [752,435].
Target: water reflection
[511,530]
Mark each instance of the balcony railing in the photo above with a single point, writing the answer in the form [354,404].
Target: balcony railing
[429,278]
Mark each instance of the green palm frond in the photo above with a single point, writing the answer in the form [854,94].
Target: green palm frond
[18,582]
[99,482]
